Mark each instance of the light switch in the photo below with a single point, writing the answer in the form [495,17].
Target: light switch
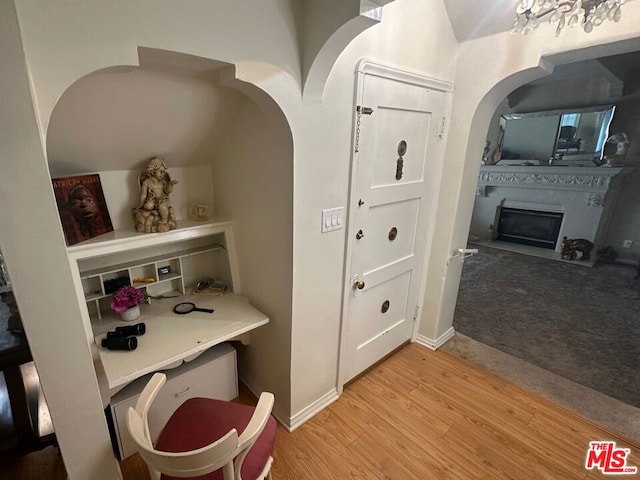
[332,219]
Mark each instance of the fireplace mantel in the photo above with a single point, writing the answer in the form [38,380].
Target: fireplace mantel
[585,195]
[586,179]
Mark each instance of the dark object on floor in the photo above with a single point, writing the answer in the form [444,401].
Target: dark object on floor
[570,247]
[607,255]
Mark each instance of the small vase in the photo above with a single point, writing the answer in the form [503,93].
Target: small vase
[130,314]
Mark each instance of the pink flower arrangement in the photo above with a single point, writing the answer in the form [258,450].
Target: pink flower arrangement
[126,297]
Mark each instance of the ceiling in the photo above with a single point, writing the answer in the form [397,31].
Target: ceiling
[496,16]
[478,18]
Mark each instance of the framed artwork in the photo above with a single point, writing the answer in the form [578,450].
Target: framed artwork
[82,207]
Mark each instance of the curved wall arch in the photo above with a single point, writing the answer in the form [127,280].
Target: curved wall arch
[225,140]
[523,59]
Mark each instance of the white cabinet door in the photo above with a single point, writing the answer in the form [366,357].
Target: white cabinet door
[397,142]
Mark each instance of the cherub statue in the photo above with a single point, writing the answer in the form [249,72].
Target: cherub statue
[154,212]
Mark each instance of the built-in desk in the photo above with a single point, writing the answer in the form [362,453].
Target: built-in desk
[171,339]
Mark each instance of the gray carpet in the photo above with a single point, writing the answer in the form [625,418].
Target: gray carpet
[580,323]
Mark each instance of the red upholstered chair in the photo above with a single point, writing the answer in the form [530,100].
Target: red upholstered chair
[201,438]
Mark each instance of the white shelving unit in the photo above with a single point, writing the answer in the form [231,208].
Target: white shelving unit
[190,253]
[193,252]
[144,273]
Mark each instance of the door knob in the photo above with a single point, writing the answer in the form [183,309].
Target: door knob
[359,284]
[359,235]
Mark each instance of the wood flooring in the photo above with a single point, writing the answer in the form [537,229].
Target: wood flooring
[422,415]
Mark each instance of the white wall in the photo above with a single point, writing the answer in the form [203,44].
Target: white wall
[33,245]
[625,223]
[253,178]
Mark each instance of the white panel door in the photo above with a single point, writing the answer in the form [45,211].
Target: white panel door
[396,145]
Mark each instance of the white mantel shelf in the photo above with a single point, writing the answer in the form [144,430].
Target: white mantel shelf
[587,179]
[585,195]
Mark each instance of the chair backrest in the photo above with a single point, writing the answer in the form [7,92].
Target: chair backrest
[568,132]
[219,454]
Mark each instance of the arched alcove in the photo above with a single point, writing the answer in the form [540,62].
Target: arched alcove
[225,141]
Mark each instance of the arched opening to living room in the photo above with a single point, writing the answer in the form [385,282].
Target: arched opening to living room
[555,305]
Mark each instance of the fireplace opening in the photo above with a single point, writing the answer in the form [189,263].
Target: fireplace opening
[529,227]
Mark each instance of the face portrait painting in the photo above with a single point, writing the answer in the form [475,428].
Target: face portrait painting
[82,207]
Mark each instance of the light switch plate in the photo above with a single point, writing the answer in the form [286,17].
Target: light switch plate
[332,219]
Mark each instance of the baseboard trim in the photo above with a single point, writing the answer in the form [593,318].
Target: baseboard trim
[312,409]
[626,261]
[290,423]
[438,342]
[256,390]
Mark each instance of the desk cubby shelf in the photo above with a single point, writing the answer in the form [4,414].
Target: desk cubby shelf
[93,281]
[190,253]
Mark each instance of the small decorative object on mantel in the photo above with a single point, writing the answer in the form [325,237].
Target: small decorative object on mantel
[485,154]
[154,213]
[616,158]
[497,155]
[200,211]
[82,207]
[126,301]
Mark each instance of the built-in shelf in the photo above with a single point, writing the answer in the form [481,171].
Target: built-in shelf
[158,262]
[128,239]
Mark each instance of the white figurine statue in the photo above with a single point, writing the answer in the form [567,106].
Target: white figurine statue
[154,213]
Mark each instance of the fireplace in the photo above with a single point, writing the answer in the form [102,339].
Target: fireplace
[529,227]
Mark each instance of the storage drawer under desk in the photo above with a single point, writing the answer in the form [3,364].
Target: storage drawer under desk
[213,374]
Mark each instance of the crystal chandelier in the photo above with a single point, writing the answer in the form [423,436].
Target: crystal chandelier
[587,13]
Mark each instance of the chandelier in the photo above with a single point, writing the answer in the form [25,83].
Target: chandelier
[587,13]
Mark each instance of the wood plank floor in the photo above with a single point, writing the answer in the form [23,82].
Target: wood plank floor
[424,415]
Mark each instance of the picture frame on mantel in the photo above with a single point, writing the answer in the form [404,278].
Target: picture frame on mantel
[82,207]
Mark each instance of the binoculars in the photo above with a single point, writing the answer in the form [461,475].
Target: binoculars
[137,329]
[120,343]
[124,338]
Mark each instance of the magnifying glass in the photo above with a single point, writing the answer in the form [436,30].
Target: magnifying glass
[188,307]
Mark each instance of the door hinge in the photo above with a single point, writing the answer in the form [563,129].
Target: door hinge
[415,315]
[443,127]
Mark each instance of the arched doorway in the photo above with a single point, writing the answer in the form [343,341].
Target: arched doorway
[506,366]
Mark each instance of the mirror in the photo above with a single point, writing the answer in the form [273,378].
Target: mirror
[566,136]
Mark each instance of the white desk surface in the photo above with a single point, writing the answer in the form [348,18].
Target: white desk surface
[171,338]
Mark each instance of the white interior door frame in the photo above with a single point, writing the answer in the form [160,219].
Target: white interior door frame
[363,69]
